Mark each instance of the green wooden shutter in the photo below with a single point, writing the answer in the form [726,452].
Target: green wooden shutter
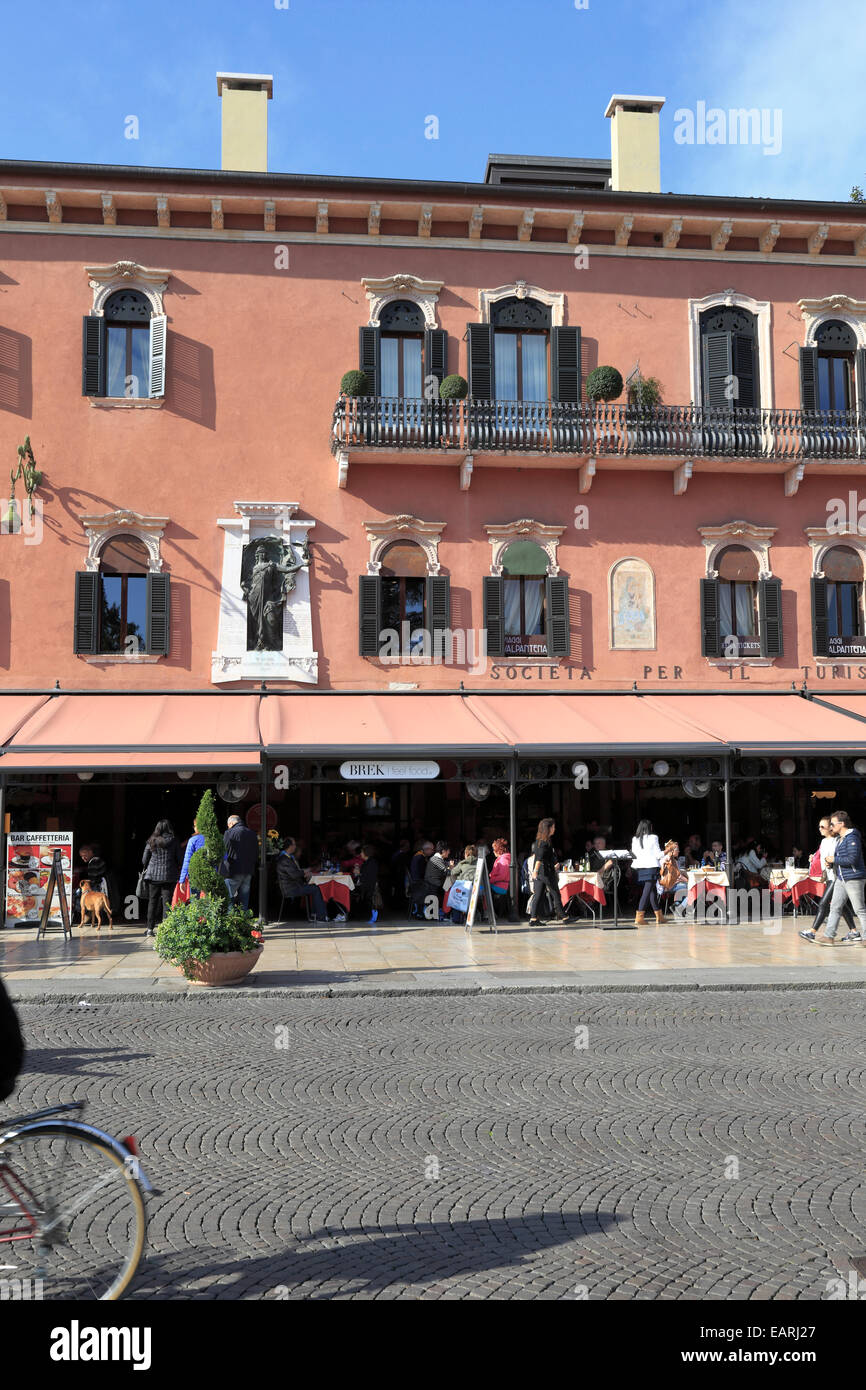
[482,384]
[494,614]
[93,356]
[770,616]
[860,380]
[808,378]
[718,366]
[157,354]
[369,356]
[85,633]
[438,605]
[435,355]
[369,614]
[820,624]
[558,618]
[565,364]
[158,614]
[745,363]
[711,639]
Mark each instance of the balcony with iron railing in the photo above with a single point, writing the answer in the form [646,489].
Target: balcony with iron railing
[555,433]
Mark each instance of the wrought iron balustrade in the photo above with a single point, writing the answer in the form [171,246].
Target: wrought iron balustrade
[605,430]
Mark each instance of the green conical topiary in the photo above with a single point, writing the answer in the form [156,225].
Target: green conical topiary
[203,876]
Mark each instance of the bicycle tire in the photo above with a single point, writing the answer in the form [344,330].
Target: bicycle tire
[14,1152]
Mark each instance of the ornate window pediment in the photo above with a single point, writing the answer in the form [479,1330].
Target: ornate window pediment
[822,540]
[754,538]
[501,537]
[509,302]
[381,292]
[104,280]
[101,529]
[818,312]
[426,534]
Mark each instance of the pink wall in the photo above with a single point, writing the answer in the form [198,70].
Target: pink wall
[255,359]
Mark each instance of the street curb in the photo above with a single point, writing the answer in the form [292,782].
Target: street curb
[92,998]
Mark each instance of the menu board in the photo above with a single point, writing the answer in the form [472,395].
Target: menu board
[29,855]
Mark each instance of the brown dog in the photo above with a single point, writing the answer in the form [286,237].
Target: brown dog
[92,906]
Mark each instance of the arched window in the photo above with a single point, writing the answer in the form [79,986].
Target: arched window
[403,581]
[837,604]
[124,348]
[836,343]
[123,596]
[738,600]
[524,575]
[402,349]
[729,358]
[521,329]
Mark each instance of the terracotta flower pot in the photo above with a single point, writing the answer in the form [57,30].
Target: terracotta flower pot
[222,968]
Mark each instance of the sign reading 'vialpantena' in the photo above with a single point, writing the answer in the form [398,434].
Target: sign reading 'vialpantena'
[376,771]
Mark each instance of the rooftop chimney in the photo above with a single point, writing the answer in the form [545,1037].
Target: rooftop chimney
[634,143]
[245,97]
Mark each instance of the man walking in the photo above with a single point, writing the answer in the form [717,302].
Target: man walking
[850,884]
[826,850]
[242,849]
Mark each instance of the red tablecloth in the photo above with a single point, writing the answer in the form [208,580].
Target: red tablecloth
[717,889]
[815,886]
[585,887]
[333,888]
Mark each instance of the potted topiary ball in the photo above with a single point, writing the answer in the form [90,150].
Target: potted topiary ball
[604,384]
[355,383]
[454,388]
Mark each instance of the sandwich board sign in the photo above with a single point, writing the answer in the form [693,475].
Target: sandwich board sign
[38,878]
[480,884]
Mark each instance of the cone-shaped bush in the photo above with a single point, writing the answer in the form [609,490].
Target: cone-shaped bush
[203,876]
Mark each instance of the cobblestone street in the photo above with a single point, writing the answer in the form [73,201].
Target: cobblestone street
[528,1146]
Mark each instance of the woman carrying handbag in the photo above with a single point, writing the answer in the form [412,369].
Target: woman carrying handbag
[646,857]
[544,873]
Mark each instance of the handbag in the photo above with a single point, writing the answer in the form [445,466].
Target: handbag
[141,887]
[180,894]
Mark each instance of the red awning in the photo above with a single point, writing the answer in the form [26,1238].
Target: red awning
[15,710]
[599,724]
[137,731]
[379,725]
[768,723]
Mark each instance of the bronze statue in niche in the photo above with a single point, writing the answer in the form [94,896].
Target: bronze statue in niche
[269,570]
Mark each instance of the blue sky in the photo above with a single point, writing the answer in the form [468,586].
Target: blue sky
[354,81]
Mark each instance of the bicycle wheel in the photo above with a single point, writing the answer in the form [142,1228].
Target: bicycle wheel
[87,1212]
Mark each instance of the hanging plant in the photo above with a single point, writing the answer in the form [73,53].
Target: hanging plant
[604,384]
[645,392]
[29,474]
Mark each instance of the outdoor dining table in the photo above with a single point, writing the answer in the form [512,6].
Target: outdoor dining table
[575,883]
[796,883]
[336,886]
[714,881]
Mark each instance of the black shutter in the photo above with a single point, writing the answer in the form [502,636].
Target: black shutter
[158,614]
[482,386]
[770,616]
[494,614]
[820,624]
[368,357]
[558,621]
[369,614]
[718,366]
[565,364]
[438,607]
[435,356]
[808,378]
[860,380]
[711,639]
[745,360]
[85,637]
[93,356]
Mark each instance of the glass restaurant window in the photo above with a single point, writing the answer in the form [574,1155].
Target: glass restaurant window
[403,578]
[843,571]
[123,596]
[127,344]
[738,598]
[524,572]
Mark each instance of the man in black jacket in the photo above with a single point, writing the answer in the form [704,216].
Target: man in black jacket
[242,850]
[293,881]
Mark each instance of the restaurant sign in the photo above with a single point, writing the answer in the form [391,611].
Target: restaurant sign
[376,771]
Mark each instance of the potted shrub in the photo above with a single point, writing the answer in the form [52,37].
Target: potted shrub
[209,939]
[644,395]
[453,388]
[604,384]
[355,383]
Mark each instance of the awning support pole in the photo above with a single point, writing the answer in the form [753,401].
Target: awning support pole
[263,857]
[3,844]
[728,859]
[512,838]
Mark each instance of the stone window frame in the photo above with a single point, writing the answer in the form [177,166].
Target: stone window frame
[817,312]
[758,539]
[763,312]
[546,537]
[552,299]
[103,280]
[383,291]
[100,531]
[426,534]
[636,559]
[821,539]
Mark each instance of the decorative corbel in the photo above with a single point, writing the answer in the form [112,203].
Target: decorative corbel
[575,228]
[793,479]
[374,217]
[623,231]
[586,475]
[425,219]
[322,218]
[681,477]
[466,473]
[270,215]
[722,235]
[54,206]
[671,234]
[524,231]
[818,237]
[476,222]
[163,212]
[342,457]
[769,237]
[109,211]
[216,214]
